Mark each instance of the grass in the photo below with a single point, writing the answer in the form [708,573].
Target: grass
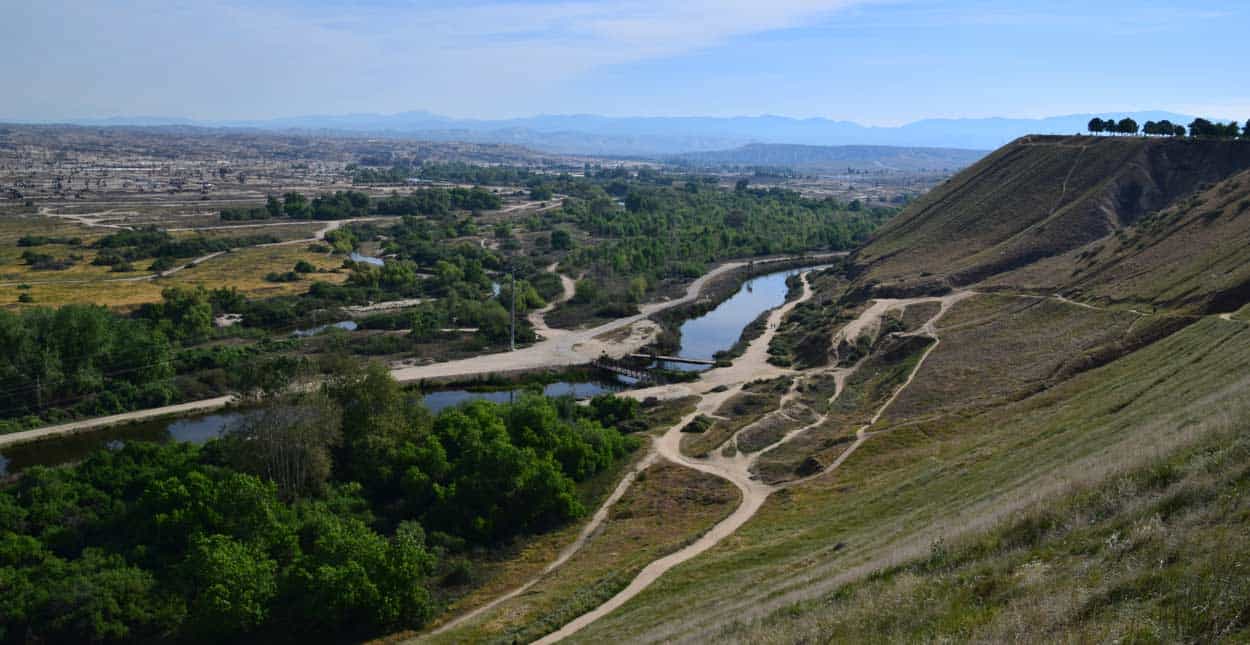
[244,269]
[916,482]
[667,507]
[1034,199]
[1153,554]
[739,411]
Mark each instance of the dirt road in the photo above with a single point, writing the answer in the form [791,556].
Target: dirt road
[566,347]
[26,436]
[736,468]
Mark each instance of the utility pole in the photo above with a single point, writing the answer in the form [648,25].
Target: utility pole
[512,333]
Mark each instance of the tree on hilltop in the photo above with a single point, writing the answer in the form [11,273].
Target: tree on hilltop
[1126,126]
[1096,125]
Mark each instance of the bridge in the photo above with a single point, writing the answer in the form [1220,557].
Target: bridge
[673,359]
[609,365]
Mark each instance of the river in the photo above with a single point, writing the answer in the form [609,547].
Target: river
[702,338]
[718,329]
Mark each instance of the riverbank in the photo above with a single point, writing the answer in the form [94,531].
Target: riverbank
[555,353]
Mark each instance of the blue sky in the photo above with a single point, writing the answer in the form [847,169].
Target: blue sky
[874,62]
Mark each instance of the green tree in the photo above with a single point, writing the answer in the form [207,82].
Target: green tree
[231,586]
[273,206]
[561,240]
[1096,125]
[1126,126]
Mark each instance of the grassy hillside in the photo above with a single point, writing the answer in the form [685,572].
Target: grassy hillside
[1036,198]
[928,478]
[1152,554]
[1191,256]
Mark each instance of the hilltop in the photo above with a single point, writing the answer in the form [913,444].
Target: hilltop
[1117,218]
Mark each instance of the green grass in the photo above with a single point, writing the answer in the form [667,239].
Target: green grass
[919,482]
[1154,554]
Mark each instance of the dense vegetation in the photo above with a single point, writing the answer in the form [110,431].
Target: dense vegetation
[128,246]
[345,204]
[453,171]
[331,516]
[80,358]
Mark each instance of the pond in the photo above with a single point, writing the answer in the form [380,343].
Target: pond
[349,325]
[720,328]
[367,259]
[76,447]
[440,400]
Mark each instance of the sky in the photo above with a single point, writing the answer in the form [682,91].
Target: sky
[876,62]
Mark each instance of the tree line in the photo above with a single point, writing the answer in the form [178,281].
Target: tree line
[1201,128]
[346,204]
[334,516]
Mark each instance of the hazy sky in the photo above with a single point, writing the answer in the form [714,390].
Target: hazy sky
[876,62]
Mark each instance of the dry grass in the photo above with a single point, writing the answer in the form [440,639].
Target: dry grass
[244,269]
[666,508]
[910,485]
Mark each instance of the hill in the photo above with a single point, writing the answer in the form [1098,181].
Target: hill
[1049,213]
[835,158]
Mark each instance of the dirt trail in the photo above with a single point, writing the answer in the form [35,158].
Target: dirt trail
[668,447]
[538,318]
[736,469]
[569,347]
[26,436]
[567,552]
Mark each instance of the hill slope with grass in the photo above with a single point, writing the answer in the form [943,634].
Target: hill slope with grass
[1041,197]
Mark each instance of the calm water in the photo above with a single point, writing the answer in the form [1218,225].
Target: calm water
[76,447]
[720,328]
[367,259]
[201,429]
[443,399]
[349,325]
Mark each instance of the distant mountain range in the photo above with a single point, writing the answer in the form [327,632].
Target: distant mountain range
[804,157]
[657,136]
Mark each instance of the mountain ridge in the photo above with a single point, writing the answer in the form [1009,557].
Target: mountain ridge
[652,136]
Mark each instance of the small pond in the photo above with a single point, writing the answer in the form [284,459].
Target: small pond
[367,259]
[349,325]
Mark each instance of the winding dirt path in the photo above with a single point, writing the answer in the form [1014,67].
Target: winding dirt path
[736,469]
[538,318]
[562,348]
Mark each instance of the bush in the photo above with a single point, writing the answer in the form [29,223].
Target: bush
[698,425]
